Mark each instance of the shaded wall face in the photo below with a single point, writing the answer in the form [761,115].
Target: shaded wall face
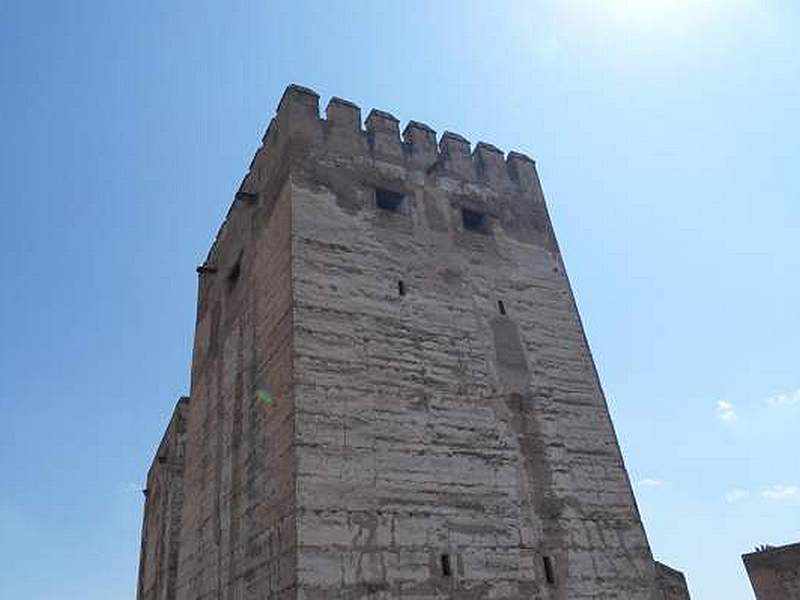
[238,537]
[775,574]
[671,583]
[163,515]
[433,428]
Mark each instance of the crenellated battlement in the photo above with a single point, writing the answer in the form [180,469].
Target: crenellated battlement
[376,152]
[340,130]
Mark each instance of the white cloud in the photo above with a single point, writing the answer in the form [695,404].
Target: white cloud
[131,488]
[736,496]
[782,492]
[726,411]
[649,482]
[785,399]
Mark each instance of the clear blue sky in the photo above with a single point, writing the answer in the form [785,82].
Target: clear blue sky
[668,141]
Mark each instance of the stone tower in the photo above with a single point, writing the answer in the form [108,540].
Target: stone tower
[392,395]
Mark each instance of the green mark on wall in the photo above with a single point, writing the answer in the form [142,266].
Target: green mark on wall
[264,396]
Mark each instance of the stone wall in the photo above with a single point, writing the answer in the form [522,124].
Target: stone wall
[672,583]
[435,425]
[392,394]
[164,498]
[238,539]
[775,572]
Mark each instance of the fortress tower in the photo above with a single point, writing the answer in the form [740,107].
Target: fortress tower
[392,395]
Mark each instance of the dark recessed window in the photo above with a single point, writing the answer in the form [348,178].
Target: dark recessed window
[388,200]
[401,288]
[473,220]
[233,275]
[549,571]
[446,570]
[501,307]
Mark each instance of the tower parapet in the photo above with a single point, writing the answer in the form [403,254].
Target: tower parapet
[375,153]
[420,140]
[298,119]
[383,133]
[344,124]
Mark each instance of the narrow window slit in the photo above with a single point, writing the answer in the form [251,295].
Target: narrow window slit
[401,288]
[233,275]
[549,571]
[446,571]
[388,200]
[501,307]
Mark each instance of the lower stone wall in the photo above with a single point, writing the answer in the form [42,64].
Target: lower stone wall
[163,512]
[671,583]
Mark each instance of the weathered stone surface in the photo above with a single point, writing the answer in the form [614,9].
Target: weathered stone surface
[163,512]
[775,572]
[671,582]
[435,425]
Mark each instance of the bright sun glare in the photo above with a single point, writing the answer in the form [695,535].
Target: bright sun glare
[648,15]
[649,10]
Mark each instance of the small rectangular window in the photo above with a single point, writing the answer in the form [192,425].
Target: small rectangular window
[401,288]
[473,220]
[549,571]
[388,200]
[501,307]
[446,571]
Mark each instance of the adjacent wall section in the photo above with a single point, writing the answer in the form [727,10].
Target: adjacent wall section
[671,582]
[775,572]
[163,512]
